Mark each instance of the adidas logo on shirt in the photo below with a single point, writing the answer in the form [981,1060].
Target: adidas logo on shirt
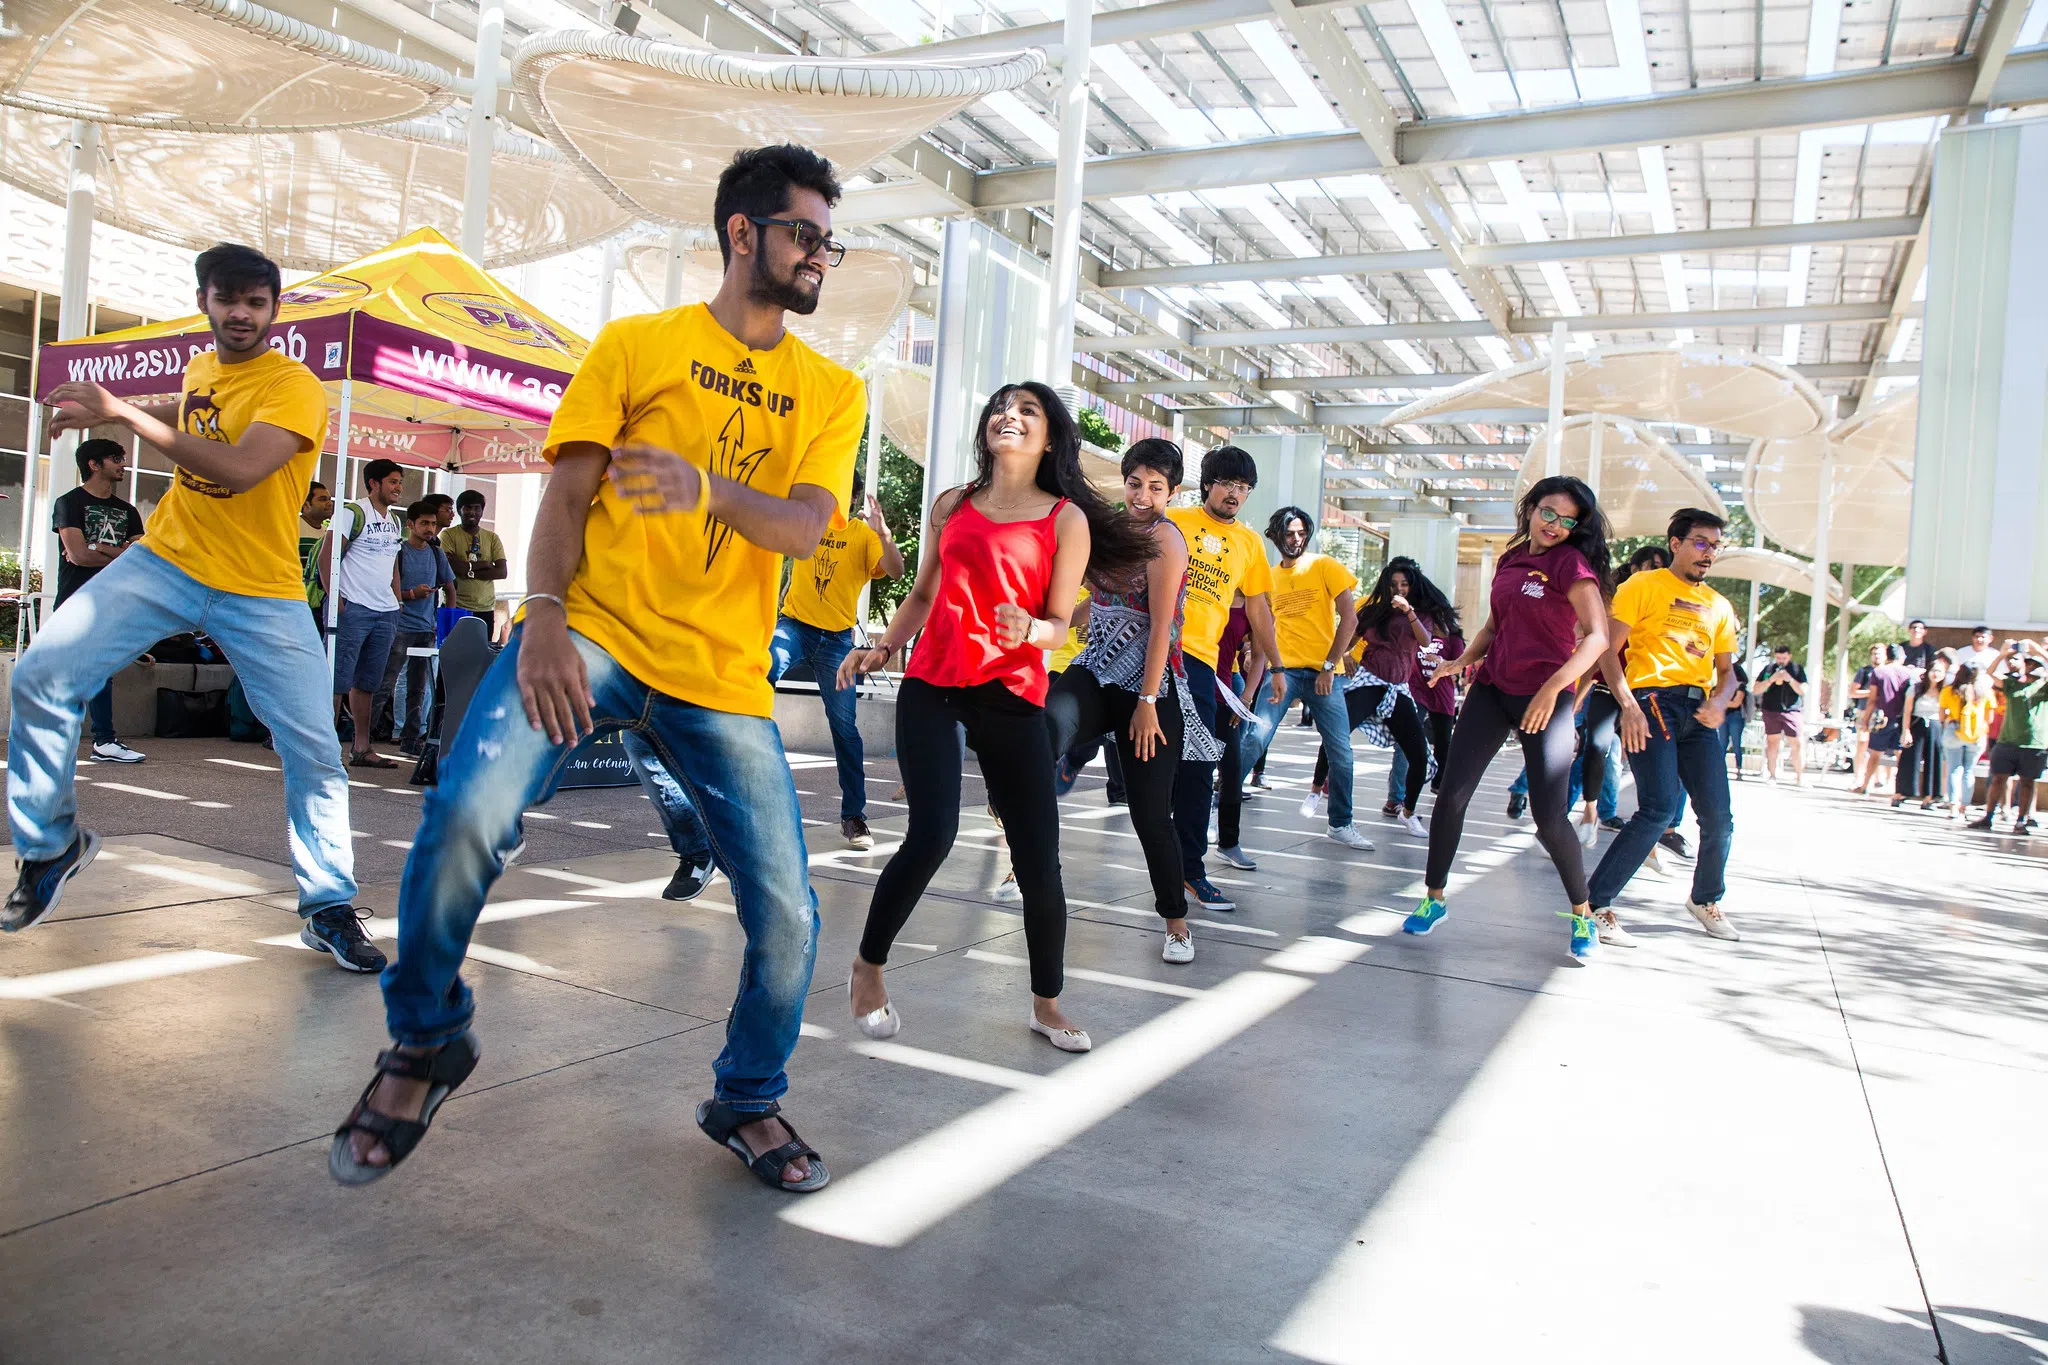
[746,365]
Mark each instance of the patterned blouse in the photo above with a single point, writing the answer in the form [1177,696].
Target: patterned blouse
[1119,632]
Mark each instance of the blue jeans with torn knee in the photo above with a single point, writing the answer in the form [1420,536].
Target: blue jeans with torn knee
[736,776]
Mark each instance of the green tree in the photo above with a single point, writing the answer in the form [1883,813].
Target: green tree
[900,490]
[1096,428]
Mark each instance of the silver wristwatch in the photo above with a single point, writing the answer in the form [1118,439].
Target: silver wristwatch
[1149,698]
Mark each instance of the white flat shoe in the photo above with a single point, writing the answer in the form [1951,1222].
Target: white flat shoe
[1065,1039]
[1178,949]
[878,1024]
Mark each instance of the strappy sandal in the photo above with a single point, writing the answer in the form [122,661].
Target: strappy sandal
[443,1069]
[721,1123]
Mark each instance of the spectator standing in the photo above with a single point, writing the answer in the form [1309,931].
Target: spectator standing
[1920,757]
[313,517]
[477,556]
[444,515]
[371,530]
[1859,693]
[2021,754]
[1919,653]
[1731,728]
[95,524]
[423,576]
[1981,653]
[1890,685]
[1965,726]
[1778,689]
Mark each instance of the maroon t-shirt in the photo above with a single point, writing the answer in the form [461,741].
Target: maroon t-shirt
[1390,650]
[1535,628]
[1233,638]
[1443,697]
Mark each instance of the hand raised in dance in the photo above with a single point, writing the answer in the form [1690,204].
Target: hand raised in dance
[654,480]
[1013,625]
[553,682]
[1635,728]
[1399,603]
[872,515]
[1536,714]
[79,407]
[1446,669]
[1146,736]
[866,659]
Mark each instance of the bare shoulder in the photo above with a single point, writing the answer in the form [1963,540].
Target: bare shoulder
[1071,521]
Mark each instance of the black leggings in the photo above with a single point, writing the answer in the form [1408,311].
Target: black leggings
[1079,705]
[1438,724]
[1488,718]
[1009,737]
[1404,723]
[1919,762]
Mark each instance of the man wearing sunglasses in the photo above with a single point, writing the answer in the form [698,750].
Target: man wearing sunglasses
[694,450]
[1674,694]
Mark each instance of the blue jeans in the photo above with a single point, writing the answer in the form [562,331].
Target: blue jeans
[1332,721]
[101,711]
[823,650]
[1683,756]
[679,819]
[127,607]
[735,773]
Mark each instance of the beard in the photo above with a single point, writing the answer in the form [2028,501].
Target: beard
[791,295]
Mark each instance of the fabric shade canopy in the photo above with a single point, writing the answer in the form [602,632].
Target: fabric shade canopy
[425,338]
[1720,387]
[907,408]
[203,66]
[862,298]
[1871,505]
[653,124]
[1641,480]
[1774,567]
[313,200]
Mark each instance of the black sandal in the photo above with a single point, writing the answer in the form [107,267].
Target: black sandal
[445,1068]
[721,1123]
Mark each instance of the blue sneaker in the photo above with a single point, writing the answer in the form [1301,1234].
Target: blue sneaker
[1064,776]
[1207,896]
[1585,935]
[41,883]
[1427,916]
[338,930]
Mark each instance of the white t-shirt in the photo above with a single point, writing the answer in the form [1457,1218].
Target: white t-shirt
[1979,659]
[366,563]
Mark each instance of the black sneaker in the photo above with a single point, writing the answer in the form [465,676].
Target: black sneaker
[688,883]
[338,930]
[41,883]
[1675,841]
[1615,823]
[1517,803]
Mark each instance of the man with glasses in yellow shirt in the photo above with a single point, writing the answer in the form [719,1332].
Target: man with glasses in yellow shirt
[816,626]
[1680,636]
[694,449]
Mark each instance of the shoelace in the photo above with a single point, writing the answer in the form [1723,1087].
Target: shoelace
[350,925]
[1581,924]
[1711,910]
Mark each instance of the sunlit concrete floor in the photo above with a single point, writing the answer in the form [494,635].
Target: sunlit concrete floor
[1323,1140]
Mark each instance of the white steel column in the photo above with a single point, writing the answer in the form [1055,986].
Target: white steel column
[74,319]
[1065,276]
[871,471]
[331,610]
[950,424]
[483,126]
[606,283]
[1755,593]
[1593,455]
[1836,711]
[1817,616]
[672,287]
[1553,441]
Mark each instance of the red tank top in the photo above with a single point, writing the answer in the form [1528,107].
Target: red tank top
[983,563]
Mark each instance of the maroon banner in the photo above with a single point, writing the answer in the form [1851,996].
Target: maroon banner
[409,443]
[428,366]
[514,450]
[152,367]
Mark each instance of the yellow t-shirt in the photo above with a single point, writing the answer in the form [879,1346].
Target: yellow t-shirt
[243,543]
[1675,630]
[1224,558]
[1969,712]
[1305,608]
[825,589]
[680,600]
[1077,640]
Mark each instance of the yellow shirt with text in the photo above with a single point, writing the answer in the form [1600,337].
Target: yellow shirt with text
[680,600]
[243,543]
[1077,640]
[1224,558]
[1305,608]
[824,590]
[1675,630]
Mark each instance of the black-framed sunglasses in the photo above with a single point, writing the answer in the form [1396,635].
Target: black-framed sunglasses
[809,239]
[1554,518]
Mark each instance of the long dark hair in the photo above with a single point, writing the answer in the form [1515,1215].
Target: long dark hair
[1119,548]
[1426,597]
[1589,537]
[1647,558]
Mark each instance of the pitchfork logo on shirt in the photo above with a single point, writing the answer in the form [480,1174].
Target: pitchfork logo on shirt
[731,459]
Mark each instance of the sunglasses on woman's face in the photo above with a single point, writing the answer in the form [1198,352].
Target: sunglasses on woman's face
[1551,518]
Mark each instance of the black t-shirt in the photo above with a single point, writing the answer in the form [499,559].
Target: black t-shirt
[1741,692]
[1866,675]
[1779,696]
[1919,656]
[105,523]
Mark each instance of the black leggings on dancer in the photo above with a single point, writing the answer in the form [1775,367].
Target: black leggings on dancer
[1438,723]
[1009,737]
[1079,705]
[1403,723]
[1488,718]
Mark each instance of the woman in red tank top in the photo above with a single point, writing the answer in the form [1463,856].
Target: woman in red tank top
[995,590]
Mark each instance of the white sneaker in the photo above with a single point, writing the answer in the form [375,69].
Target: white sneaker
[1711,919]
[1653,862]
[1611,932]
[1349,836]
[1007,891]
[1588,832]
[1178,949]
[1314,804]
[1413,824]
[114,751]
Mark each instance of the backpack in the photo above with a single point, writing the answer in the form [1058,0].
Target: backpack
[316,596]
